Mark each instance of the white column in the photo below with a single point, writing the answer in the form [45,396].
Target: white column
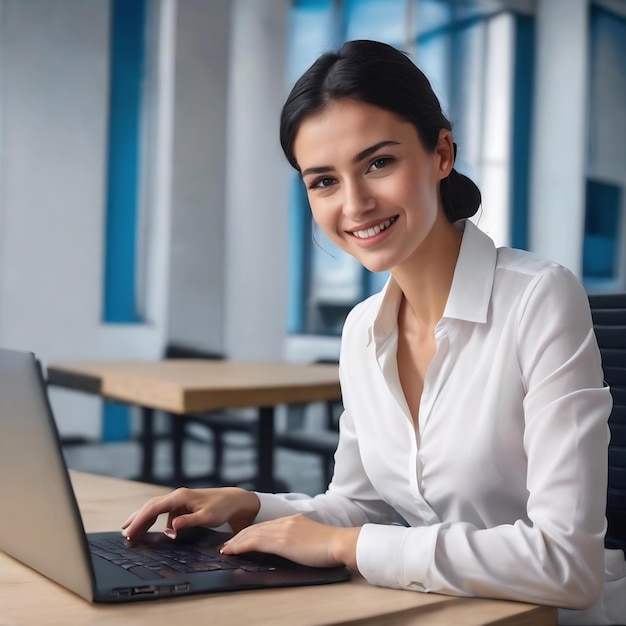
[195,283]
[557,206]
[257,183]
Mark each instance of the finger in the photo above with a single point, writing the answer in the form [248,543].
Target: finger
[253,538]
[172,516]
[189,520]
[130,518]
[145,517]
[138,520]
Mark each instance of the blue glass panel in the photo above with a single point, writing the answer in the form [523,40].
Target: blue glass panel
[603,245]
[115,422]
[607,95]
[128,20]
[127,66]
[381,20]
[602,222]
[299,278]
[522,121]
[433,15]
[312,31]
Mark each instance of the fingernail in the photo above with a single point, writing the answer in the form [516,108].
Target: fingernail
[170,532]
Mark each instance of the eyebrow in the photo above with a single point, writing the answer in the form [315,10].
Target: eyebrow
[322,169]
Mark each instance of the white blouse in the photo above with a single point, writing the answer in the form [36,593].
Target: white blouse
[501,493]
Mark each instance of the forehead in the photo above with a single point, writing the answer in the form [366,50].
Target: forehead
[345,128]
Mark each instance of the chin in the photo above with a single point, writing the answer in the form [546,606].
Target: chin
[377,267]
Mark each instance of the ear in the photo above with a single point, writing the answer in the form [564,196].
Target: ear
[446,153]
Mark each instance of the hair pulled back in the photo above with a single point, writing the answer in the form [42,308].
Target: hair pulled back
[377,74]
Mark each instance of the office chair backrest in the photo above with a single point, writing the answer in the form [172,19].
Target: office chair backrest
[609,320]
[179,351]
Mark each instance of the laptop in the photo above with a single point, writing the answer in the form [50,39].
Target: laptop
[41,524]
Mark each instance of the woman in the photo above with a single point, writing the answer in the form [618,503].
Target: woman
[475,411]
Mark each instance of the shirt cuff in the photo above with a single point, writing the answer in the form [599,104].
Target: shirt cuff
[395,556]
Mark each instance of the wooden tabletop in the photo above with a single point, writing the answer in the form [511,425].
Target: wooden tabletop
[195,385]
[29,599]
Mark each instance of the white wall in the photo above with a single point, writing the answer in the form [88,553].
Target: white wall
[258,175]
[195,283]
[216,219]
[54,95]
[54,99]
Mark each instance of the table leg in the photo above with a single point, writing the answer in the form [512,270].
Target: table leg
[265,479]
[147,445]
[265,452]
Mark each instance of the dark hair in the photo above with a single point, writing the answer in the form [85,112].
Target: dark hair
[377,74]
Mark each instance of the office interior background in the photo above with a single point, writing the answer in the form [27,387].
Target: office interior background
[144,198]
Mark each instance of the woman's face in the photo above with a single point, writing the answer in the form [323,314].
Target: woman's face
[372,186]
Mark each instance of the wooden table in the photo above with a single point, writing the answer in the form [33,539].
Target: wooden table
[186,386]
[29,599]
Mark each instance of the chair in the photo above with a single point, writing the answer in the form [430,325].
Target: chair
[219,423]
[321,441]
[609,320]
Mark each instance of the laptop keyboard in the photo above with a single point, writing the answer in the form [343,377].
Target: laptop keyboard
[166,561]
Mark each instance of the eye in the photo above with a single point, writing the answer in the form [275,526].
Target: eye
[380,163]
[321,183]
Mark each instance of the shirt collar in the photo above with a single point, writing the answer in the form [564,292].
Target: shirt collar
[470,292]
[475,269]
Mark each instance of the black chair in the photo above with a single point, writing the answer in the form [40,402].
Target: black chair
[609,320]
[219,423]
[321,441]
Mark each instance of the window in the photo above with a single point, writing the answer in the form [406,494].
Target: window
[604,259]
[128,21]
[479,61]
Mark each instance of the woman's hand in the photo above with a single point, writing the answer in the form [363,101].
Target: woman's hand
[195,507]
[300,539]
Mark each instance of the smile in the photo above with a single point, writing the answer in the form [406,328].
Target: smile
[374,230]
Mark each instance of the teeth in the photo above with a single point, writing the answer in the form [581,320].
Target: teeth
[370,232]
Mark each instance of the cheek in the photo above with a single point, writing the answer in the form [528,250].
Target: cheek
[324,214]
[421,196]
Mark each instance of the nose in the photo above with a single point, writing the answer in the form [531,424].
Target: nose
[356,200]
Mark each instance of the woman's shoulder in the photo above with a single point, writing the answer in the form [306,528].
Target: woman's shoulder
[533,272]
[524,262]
[540,283]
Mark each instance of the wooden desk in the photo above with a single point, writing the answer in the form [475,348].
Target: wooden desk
[29,599]
[197,385]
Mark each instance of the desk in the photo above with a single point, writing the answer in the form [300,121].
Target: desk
[197,385]
[29,599]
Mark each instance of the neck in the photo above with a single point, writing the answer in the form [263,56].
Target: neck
[426,277]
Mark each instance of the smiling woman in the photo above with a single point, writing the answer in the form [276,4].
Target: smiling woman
[475,407]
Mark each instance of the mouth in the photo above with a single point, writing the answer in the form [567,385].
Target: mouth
[366,233]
